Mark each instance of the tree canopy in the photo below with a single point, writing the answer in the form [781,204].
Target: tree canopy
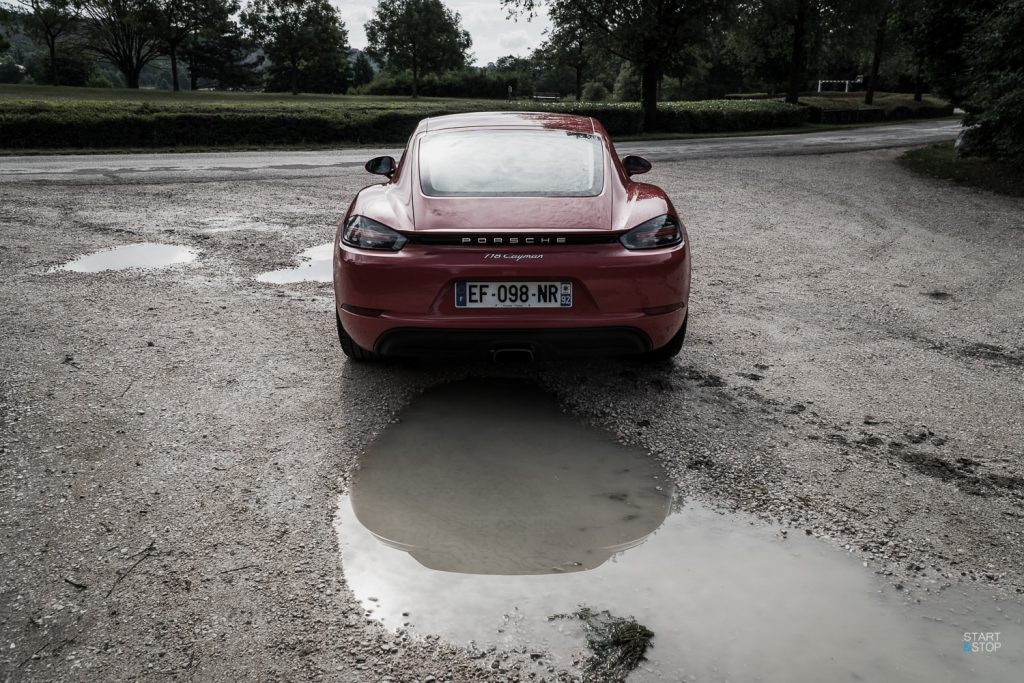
[50,20]
[124,32]
[423,36]
[648,33]
[305,41]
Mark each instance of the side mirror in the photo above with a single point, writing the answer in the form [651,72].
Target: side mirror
[383,166]
[635,165]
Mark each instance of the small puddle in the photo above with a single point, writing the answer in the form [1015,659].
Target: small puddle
[317,267]
[485,513]
[146,255]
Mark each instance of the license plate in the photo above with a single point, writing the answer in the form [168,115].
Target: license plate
[513,295]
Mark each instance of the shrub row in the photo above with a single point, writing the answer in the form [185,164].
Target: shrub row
[705,116]
[61,129]
[28,125]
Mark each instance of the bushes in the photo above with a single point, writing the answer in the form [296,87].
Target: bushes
[713,116]
[146,126]
[465,83]
[594,91]
[994,95]
[111,124]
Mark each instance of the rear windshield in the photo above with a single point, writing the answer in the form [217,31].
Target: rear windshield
[511,163]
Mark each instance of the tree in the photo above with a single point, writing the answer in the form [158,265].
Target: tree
[647,33]
[994,88]
[122,31]
[5,16]
[305,40]
[362,70]
[569,43]
[882,15]
[49,20]
[910,27]
[217,51]
[420,35]
[759,48]
[176,21]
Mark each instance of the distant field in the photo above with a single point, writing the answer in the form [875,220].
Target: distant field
[43,117]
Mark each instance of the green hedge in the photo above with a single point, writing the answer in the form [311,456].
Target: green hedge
[79,124]
[706,116]
[87,127]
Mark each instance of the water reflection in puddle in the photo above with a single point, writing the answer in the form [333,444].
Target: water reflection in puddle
[144,256]
[485,511]
[316,267]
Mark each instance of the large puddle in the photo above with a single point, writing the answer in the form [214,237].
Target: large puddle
[317,266]
[485,513]
[145,255]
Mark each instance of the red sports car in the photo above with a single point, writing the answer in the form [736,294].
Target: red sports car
[511,235]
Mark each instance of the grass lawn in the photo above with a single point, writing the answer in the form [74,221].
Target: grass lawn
[939,161]
[884,100]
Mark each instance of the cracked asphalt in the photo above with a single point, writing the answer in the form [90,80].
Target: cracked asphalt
[172,442]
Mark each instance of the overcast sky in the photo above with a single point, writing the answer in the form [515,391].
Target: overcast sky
[493,35]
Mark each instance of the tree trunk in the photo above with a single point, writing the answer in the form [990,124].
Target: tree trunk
[650,76]
[796,59]
[174,68]
[415,80]
[579,82]
[295,78]
[131,76]
[876,59]
[918,83]
[193,78]
[51,42]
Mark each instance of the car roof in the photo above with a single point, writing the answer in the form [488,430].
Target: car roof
[511,119]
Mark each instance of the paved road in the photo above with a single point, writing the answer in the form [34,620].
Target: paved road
[92,168]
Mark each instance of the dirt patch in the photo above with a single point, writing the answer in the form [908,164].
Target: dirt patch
[994,353]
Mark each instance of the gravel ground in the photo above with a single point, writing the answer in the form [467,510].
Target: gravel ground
[173,442]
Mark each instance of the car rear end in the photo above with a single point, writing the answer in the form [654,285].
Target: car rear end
[442,263]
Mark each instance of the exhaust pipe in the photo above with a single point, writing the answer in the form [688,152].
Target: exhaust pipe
[522,354]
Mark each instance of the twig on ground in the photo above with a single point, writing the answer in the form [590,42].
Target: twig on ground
[145,552]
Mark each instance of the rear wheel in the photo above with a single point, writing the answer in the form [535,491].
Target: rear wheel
[672,348]
[349,347]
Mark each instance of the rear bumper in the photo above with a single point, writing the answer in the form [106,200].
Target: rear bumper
[550,343]
[403,303]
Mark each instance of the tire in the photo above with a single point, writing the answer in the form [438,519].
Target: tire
[349,347]
[671,349]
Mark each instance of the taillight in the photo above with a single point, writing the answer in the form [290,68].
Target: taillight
[365,233]
[663,231]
